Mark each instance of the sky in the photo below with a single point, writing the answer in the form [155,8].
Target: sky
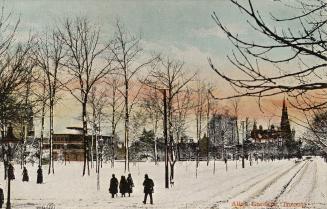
[182,29]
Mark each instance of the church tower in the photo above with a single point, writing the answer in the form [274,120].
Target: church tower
[254,130]
[285,123]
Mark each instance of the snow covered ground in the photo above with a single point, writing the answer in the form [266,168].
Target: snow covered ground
[278,184]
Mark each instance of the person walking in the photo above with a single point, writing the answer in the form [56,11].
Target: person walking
[113,188]
[39,179]
[148,188]
[130,184]
[1,197]
[123,187]
[25,175]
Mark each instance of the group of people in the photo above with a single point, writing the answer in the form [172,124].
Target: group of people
[39,179]
[11,174]
[126,186]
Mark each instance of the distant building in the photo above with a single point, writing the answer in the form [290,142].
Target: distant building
[187,149]
[223,130]
[274,134]
[70,145]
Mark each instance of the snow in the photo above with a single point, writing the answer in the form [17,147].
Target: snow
[279,182]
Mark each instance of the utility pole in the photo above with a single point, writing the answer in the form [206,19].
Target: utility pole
[165,135]
[243,128]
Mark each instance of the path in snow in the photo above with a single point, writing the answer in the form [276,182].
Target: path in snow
[296,187]
[278,181]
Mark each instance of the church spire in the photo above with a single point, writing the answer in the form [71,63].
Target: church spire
[254,125]
[285,123]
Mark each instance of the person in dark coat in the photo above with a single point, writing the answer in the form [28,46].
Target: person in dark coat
[130,184]
[25,175]
[39,175]
[113,188]
[148,188]
[11,174]
[123,186]
[1,197]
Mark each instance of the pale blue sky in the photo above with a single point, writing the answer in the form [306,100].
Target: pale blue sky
[168,23]
[158,21]
[183,29]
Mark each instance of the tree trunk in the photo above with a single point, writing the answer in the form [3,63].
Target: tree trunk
[208,124]
[155,150]
[171,139]
[166,138]
[173,160]
[96,152]
[126,128]
[42,134]
[113,147]
[197,164]
[113,126]
[98,173]
[99,135]
[155,139]
[51,161]
[172,171]
[92,137]
[86,153]
[22,135]
[197,124]
[237,131]
[214,165]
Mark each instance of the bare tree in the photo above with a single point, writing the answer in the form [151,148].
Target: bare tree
[25,118]
[236,108]
[126,50]
[303,42]
[152,103]
[296,42]
[169,74]
[115,102]
[209,107]
[199,108]
[317,129]
[44,99]
[49,54]
[98,101]
[15,73]
[182,112]
[86,63]
[235,105]
[199,111]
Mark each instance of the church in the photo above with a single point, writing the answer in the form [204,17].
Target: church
[278,135]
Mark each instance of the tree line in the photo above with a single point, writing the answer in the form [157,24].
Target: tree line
[114,80]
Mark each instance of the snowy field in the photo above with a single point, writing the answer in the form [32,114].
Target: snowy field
[278,184]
